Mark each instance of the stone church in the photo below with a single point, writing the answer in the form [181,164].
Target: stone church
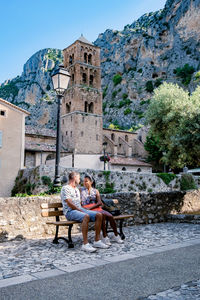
[82,129]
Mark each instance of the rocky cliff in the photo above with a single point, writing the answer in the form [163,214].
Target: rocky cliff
[159,46]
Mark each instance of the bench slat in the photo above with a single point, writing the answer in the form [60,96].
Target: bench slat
[51,205]
[123,217]
[47,213]
[62,223]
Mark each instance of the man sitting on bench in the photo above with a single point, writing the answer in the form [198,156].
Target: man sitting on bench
[73,211]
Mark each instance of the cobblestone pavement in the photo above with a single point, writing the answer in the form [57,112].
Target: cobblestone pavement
[27,257]
[187,291]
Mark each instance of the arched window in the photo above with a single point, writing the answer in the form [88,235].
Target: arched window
[139,170]
[86,106]
[67,108]
[123,169]
[91,107]
[85,58]
[126,138]
[70,59]
[91,80]
[90,59]
[112,136]
[84,78]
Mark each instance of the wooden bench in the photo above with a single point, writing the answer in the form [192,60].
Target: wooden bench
[56,210]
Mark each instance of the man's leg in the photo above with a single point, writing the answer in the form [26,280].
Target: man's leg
[84,228]
[98,222]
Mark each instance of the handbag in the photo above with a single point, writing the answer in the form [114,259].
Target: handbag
[112,206]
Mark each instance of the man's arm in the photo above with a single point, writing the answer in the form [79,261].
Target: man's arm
[72,205]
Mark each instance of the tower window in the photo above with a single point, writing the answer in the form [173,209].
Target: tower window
[72,77]
[86,106]
[84,78]
[97,137]
[85,58]
[139,170]
[90,59]
[81,133]
[112,136]
[71,118]
[96,122]
[71,133]
[123,169]
[91,80]
[67,109]
[126,138]
[62,138]
[66,133]
[91,107]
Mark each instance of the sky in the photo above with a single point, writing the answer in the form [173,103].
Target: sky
[28,26]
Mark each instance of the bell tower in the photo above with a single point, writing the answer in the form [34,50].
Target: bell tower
[81,112]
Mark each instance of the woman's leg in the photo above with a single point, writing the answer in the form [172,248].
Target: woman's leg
[104,226]
[110,218]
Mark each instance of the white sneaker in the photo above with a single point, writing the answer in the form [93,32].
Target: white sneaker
[116,239]
[106,241]
[99,244]
[88,248]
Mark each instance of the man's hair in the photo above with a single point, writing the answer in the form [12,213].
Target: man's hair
[72,175]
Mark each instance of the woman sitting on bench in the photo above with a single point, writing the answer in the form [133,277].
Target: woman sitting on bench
[90,199]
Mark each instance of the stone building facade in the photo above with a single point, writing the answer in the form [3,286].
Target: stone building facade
[12,140]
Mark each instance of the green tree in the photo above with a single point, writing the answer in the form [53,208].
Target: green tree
[174,117]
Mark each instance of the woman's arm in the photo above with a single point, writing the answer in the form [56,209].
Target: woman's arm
[98,199]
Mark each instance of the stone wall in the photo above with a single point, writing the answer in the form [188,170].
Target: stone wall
[22,216]
[119,180]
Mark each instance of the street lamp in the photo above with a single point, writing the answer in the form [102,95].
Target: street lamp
[60,79]
[104,154]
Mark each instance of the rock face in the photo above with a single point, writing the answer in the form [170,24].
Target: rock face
[134,62]
[33,89]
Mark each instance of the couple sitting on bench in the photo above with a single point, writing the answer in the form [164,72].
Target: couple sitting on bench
[84,206]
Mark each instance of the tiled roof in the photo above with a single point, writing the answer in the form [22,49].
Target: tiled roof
[34,146]
[84,40]
[127,161]
[14,106]
[40,131]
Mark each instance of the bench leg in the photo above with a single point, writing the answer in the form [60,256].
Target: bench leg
[55,241]
[121,229]
[70,243]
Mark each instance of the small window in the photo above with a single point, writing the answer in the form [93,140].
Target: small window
[71,133]
[63,121]
[126,138]
[81,133]
[123,169]
[139,170]
[0,139]
[112,136]
[97,137]
[71,118]
[83,119]
[66,132]
[2,113]
[96,122]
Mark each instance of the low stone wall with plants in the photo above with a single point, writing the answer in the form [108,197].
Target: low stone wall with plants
[34,181]
[21,217]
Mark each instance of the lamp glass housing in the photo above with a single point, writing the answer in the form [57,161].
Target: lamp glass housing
[60,79]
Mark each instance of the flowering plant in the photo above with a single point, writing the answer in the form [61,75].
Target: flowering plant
[105,158]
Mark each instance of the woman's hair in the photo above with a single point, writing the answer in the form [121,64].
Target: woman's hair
[91,179]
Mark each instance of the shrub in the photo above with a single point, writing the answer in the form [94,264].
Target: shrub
[114,94]
[149,86]
[166,177]
[46,180]
[127,111]
[117,79]
[104,105]
[124,96]
[158,82]
[185,73]
[139,70]
[187,182]
[105,91]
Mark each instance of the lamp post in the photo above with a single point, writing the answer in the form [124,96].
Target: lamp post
[104,154]
[60,79]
